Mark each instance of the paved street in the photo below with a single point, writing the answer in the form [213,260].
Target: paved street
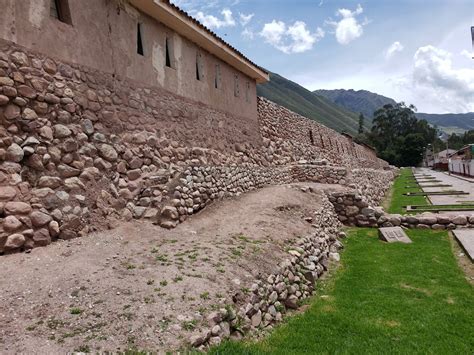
[457,184]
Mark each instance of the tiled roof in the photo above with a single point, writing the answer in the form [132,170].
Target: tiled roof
[184,13]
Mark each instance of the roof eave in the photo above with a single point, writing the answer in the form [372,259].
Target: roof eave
[165,14]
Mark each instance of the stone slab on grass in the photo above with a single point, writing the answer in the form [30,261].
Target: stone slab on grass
[393,235]
[465,237]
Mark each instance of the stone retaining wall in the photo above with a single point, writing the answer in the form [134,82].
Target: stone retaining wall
[294,280]
[354,210]
[80,148]
[199,185]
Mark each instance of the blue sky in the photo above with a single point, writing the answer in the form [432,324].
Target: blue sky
[416,51]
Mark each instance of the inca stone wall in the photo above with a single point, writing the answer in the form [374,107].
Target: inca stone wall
[354,209]
[273,295]
[290,136]
[80,148]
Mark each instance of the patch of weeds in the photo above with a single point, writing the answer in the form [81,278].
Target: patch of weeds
[150,282]
[163,258]
[177,279]
[129,266]
[163,283]
[221,270]
[75,310]
[148,300]
[244,238]
[154,250]
[219,295]
[204,295]
[280,307]
[193,256]
[189,325]
[245,290]
[30,328]
[202,310]
[236,252]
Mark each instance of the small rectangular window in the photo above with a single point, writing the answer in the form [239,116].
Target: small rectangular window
[247,91]
[217,78]
[59,9]
[139,39]
[236,85]
[199,66]
[169,53]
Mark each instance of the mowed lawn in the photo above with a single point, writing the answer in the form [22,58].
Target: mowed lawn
[383,299]
[398,199]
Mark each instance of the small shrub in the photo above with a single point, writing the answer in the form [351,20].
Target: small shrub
[75,310]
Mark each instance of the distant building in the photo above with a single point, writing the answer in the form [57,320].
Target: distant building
[428,159]
[461,162]
[440,159]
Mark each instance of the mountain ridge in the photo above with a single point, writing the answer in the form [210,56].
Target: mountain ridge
[302,101]
[367,102]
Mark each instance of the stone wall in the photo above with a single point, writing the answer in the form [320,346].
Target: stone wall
[273,295]
[200,185]
[80,148]
[354,209]
[289,136]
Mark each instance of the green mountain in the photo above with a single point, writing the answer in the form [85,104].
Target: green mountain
[367,102]
[357,101]
[300,100]
[450,122]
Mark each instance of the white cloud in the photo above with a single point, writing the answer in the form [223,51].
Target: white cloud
[348,28]
[295,38]
[248,33]
[465,53]
[434,75]
[211,21]
[394,48]
[245,19]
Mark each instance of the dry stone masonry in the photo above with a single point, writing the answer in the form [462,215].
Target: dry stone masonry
[273,295]
[80,148]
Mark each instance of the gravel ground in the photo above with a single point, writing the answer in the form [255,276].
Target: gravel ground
[140,286]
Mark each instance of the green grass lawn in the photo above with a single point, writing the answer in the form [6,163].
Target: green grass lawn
[398,199]
[384,298]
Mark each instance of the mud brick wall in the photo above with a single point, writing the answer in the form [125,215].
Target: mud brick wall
[80,148]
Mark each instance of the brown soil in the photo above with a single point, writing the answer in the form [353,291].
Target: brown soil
[140,286]
[463,260]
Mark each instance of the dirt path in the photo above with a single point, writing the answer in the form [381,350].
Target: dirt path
[139,286]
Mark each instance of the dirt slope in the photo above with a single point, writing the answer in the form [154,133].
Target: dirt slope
[141,286]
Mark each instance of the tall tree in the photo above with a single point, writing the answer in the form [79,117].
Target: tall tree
[361,123]
[398,136]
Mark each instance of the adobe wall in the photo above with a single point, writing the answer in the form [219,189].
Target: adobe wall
[80,149]
[103,36]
